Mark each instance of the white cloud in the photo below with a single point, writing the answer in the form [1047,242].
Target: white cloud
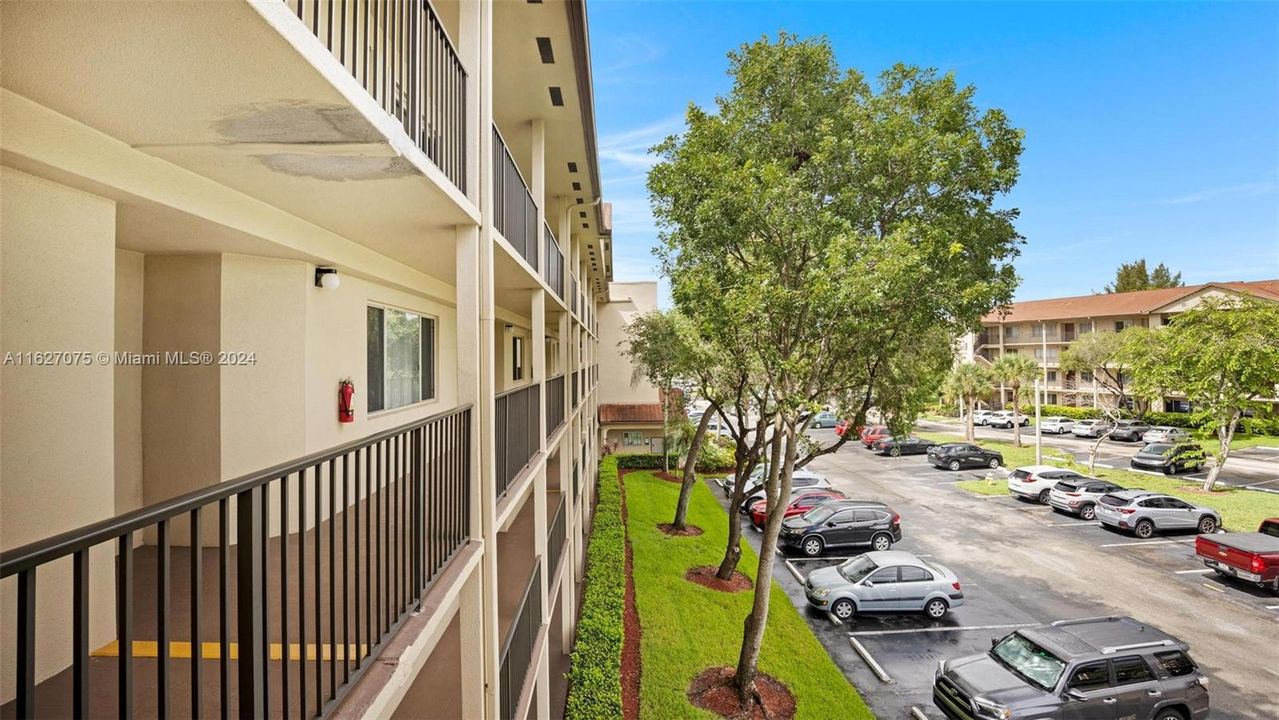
[1242,190]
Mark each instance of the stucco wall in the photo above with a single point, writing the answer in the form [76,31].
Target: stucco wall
[626,300]
[129,272]
[57,263]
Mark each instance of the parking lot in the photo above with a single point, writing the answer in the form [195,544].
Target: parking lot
[1022,563]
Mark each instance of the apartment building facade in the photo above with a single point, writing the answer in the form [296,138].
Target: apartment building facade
[630,408]
[1044,329]
[300,341]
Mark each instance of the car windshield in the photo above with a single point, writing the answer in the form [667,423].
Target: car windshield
[1029,661]
[858,568]
[818,514]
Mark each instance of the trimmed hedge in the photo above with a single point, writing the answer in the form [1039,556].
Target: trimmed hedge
[1074,413]
[653,461]
[595,669]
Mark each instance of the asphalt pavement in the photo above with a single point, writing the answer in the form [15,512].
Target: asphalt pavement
[1022,563]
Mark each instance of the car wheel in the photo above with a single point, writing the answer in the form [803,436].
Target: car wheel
[994,463]
[895,451]
[1043,497]
[936,608]
[1144,529]
[1088,512]
[812,546]
[1170,470]
[1170,715]
[843,609]
[882,541]
[954,465]
[1207,524]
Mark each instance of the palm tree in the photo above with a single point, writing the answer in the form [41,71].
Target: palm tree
[1013,370]
[968,383]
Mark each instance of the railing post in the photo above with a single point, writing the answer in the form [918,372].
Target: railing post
[249,555]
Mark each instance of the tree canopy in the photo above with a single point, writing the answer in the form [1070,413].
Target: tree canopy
[1134,276]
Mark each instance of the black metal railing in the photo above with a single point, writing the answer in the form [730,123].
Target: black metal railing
[554,403]
[346,541]
[402,55]
[514,212]
[553,272]
[577,482]
[517,649]
[555,539]
[576,388]
[516,432]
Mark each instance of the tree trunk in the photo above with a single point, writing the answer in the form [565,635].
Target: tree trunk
[690,470]
[1016,413]
[757,621]
[1225,434]
[969,433]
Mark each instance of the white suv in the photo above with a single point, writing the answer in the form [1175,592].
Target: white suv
[1005,419]
[1035,482]
[981,417]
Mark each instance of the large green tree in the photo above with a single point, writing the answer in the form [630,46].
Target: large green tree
[1017,372]
[1134,276]
[967,383]
[1106,357]
[1223,356]
[813,214]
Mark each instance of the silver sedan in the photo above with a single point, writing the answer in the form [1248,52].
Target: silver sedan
[884,581]
[1165,434]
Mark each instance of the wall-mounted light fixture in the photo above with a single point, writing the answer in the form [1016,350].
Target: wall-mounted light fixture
[509,327]
[327,278]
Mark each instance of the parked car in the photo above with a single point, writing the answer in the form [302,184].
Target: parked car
[824,419]
[844,426]
[1129,430]
[1169,459]
[981,417]
[756,478]
[801,480]
[1253,557]
[842,523]
[953,456]
[1056,424]
[1142,513]
[1090,428]
[803,501]
[873,433]
[1165,434]
[905,445]
[1006,419]
[1105,667]
[890,581]
[1035,482]
[1080,497]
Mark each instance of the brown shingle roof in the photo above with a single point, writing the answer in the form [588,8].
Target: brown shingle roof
[1117,304]
[631,413]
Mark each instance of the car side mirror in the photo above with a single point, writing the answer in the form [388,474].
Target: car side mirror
[1073,694]
[868,583]
[830,524]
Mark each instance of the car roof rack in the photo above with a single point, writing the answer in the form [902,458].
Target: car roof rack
[1111,649]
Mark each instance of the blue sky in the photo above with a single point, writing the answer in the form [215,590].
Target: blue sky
[1152,129]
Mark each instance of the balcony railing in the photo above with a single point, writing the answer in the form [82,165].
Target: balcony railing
[517,649]
[554,403]
[577,385]
[577,482]
[572,291]
[402,55]
[555,539]
[515,425]
[345,542]
[553,272]
[514,212]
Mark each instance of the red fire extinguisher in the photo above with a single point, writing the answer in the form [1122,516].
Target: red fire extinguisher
[346,410]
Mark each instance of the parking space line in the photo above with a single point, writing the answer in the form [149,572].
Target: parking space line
[869,660]
[1213,587]
[834,620]
[917,713]
[1200,571]
[1077,523]
[941,628]
[1272,607]
[1148,542]
[794,571]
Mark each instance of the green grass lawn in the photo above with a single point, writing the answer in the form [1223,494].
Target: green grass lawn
[687,628]
[1240,509]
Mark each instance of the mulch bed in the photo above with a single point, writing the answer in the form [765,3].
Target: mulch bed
[688,531]
[668,477]
[704,575]
[631,659]
[713,690]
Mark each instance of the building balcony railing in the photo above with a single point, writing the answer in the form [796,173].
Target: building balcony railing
[515,427]
[555,539]
[554,403]
[402,55]
[572,292]
[576,397]
[312,566]
[577,482]
[517,649]
[514,212]
[553,272]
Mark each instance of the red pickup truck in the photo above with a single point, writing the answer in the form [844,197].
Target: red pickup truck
[1248,556]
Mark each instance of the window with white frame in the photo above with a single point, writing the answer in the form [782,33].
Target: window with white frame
[517,358]
[633,437]
[401,358]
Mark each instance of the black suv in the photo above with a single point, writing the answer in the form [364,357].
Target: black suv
[1170,459]
[953,456]
[842,523]
[1107,667]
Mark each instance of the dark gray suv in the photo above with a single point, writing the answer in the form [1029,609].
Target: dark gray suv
[1108,667]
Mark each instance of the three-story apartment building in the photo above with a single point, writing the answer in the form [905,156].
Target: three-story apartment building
[299,338]
[1044,329]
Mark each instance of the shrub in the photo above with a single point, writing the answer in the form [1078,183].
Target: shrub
[1178,420]
[1261,425]
[653,461]
[1074,413]
[595,669]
